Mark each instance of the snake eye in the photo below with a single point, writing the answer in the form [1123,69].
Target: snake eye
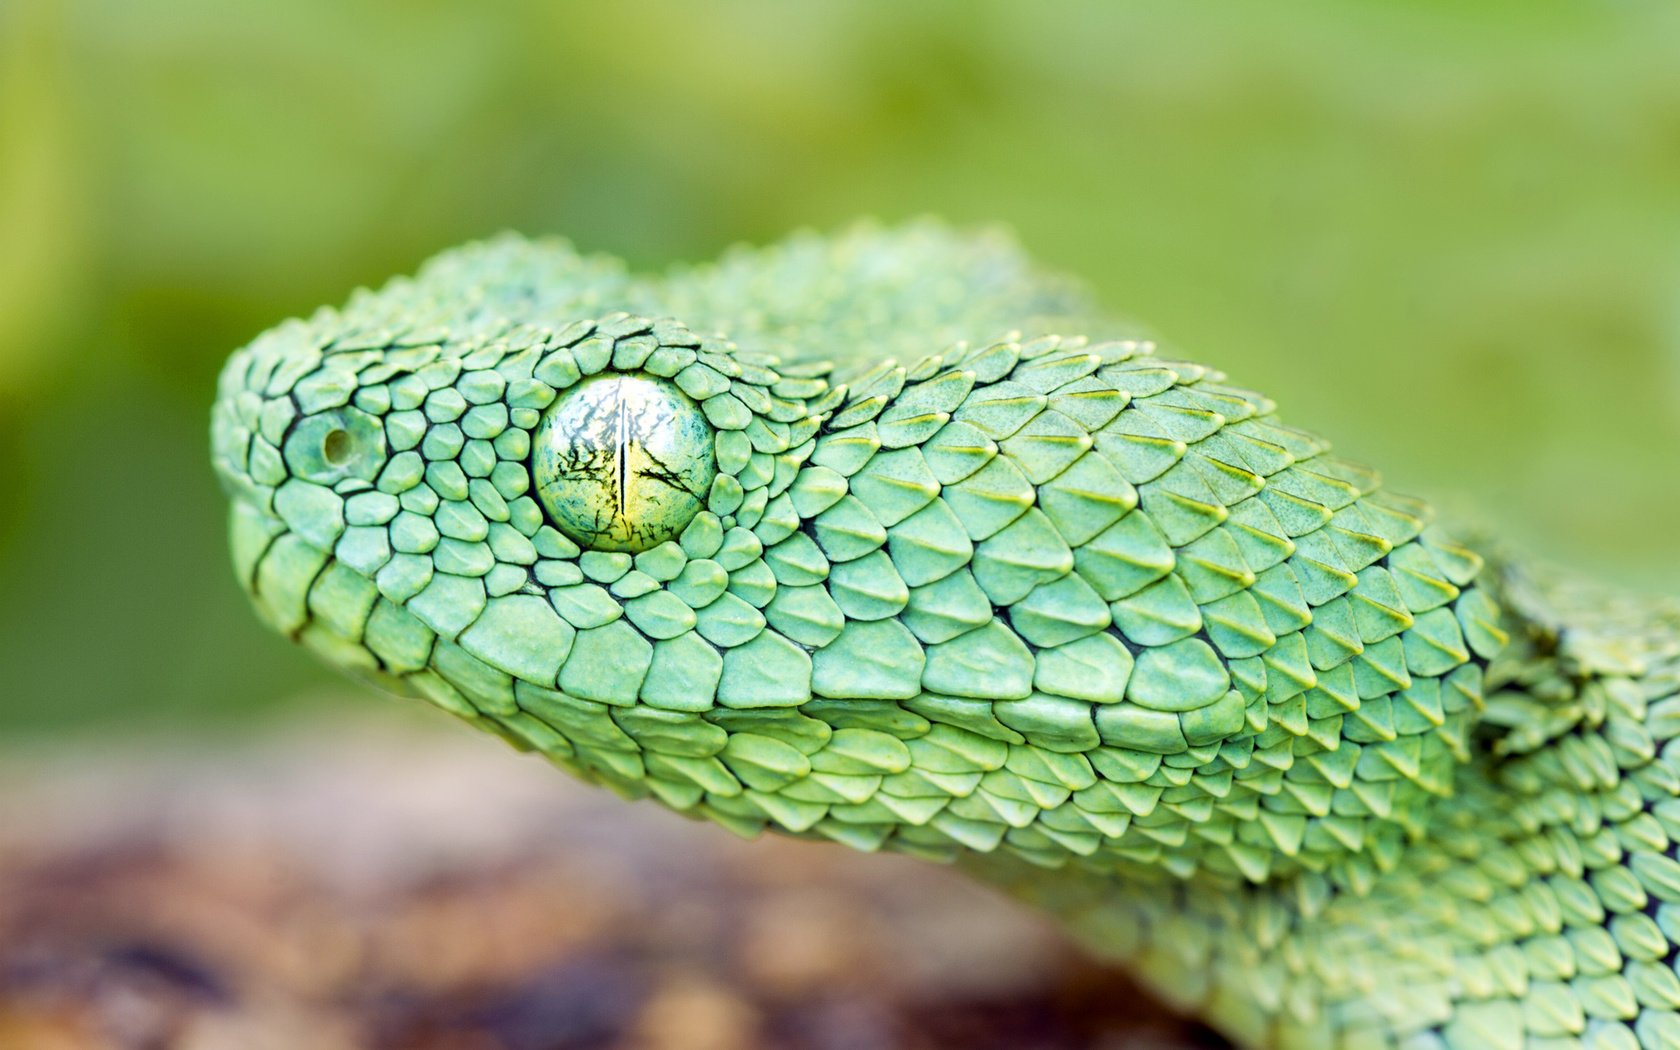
[623,462]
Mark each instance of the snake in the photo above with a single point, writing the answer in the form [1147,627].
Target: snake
[893,539]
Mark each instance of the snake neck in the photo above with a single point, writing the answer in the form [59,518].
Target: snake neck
[1539,906]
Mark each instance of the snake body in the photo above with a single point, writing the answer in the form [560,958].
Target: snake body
[891,539]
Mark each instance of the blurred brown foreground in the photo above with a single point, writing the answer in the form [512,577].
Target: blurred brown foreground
[395,882]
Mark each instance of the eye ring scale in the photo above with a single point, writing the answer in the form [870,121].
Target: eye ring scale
[623,462]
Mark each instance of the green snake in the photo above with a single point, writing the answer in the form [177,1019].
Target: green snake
[894,540]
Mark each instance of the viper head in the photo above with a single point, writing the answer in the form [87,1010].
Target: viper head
[1046,595]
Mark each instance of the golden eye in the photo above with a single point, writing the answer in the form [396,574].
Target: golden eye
[623,462]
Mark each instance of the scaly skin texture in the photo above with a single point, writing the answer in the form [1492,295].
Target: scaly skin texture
[1086,620]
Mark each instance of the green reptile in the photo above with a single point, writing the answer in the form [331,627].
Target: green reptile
[892,539]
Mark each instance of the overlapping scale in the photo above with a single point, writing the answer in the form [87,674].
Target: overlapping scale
[1059,601]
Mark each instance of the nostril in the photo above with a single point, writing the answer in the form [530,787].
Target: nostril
[329,447]
[335,448]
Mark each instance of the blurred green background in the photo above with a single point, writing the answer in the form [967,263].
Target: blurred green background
[1446,235]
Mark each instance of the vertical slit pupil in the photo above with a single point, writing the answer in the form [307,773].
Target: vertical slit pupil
[623,450]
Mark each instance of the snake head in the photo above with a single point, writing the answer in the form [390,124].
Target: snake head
[1052,596]
[510,505]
